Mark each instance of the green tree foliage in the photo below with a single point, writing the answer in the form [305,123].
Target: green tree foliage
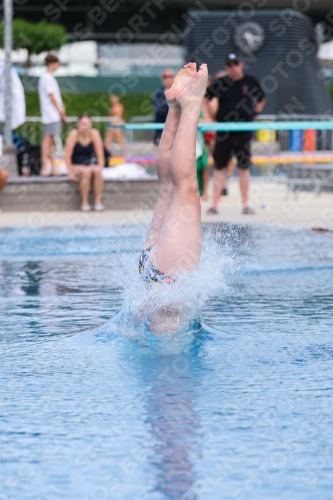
[35,37]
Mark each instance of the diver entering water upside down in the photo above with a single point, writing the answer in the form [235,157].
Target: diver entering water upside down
[173,244]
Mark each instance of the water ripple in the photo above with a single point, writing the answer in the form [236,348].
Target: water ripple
[240,407]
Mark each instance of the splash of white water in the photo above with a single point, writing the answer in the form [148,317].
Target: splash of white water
[173,309]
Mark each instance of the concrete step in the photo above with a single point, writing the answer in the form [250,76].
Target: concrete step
[59,193]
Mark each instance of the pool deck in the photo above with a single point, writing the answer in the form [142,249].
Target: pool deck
[274,207]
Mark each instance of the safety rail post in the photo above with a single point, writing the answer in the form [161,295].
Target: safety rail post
[8,45]
[131,143]
[270,153]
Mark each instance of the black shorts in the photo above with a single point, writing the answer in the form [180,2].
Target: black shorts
[229,144]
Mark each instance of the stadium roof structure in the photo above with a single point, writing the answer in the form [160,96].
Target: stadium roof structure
[126,21]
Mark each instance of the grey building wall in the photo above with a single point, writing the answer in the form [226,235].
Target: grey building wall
[286,64]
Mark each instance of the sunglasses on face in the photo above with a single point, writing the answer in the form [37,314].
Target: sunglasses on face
[167,76]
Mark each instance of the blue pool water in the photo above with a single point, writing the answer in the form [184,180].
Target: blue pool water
[94,407]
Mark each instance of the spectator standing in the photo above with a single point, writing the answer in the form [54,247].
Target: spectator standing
[202,166]
[229,171]
[202,145]
[235,98]
[210,141]
[117,114]
[84,156]
[52,110]
[160,104]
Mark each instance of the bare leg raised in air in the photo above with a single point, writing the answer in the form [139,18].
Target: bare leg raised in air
[175,231]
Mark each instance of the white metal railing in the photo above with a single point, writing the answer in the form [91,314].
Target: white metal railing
[278,139]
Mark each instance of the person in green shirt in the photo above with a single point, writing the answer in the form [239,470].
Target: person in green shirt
[202,165]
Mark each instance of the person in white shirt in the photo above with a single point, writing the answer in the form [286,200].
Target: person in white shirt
[53,112]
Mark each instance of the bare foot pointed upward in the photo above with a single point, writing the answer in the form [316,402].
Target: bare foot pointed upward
[194,92]
[182,80]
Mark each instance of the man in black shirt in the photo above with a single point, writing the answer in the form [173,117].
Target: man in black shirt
[234,98]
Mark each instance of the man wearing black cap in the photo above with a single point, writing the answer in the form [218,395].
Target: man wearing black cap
[234,98]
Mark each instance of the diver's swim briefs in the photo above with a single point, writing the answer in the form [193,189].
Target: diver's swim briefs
[149,272]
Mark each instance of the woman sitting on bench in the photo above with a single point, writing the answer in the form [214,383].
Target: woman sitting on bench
[84,156]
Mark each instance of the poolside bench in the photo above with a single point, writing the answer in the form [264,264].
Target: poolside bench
[309,176]
[48,194]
